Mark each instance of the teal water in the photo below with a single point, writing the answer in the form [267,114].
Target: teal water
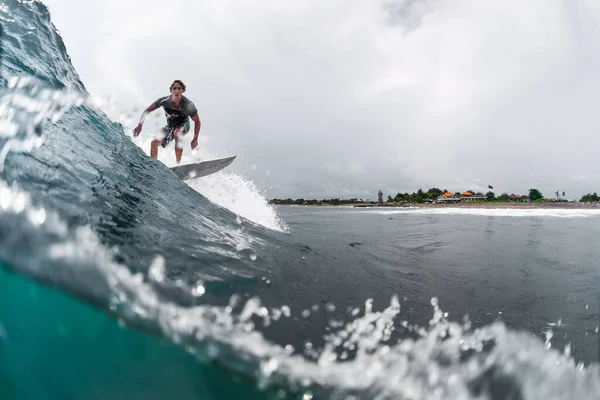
[54,347]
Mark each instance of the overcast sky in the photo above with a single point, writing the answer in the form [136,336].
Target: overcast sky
[341,98]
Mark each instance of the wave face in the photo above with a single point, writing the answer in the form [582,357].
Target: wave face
[118,279]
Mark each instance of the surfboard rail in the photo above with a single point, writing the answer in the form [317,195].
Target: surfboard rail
[204,168]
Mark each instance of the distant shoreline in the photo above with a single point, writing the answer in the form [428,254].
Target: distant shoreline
[485,205]
[505,205]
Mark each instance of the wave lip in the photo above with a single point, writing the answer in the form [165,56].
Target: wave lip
[33,47]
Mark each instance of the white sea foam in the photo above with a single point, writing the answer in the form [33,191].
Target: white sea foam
[488,212]
[446,361]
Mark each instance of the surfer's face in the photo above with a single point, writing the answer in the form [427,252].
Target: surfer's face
[176,90]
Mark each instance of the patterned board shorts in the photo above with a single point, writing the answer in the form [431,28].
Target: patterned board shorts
[169,132]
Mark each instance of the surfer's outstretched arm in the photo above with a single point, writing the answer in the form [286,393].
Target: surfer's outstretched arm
[197,124]
[138,129]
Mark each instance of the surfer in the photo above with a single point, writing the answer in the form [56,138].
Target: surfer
[178,110]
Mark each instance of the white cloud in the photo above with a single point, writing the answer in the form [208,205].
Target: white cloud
[456,95]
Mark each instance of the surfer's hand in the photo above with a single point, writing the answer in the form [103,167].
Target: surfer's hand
[137,130]
[194,143]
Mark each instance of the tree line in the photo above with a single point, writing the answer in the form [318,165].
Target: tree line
[590,197]
[421,196]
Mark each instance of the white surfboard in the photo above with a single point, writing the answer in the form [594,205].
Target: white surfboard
[197,170]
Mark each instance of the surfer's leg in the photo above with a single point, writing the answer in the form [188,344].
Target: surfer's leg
[162,140]
[154,148]
[179,133]
[178,145]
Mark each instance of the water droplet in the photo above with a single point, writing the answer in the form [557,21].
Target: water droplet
[19,203]
[234,300]
[368,306]
[157,269]
[212,351]
[199,290]
[549,334]
[13,82]
[252,307]
[37,217]
[276,314]
[269,367]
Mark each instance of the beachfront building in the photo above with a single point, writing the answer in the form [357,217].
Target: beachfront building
[464,197]
[448,198]
[468,196]
[516,197]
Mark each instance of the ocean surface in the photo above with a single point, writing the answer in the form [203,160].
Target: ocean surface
[118,280]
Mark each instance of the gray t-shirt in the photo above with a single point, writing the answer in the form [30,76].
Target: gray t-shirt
[176,115]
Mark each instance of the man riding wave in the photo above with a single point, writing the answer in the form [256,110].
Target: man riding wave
[178,110]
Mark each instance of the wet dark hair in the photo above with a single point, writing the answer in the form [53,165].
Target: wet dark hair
[180,82]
